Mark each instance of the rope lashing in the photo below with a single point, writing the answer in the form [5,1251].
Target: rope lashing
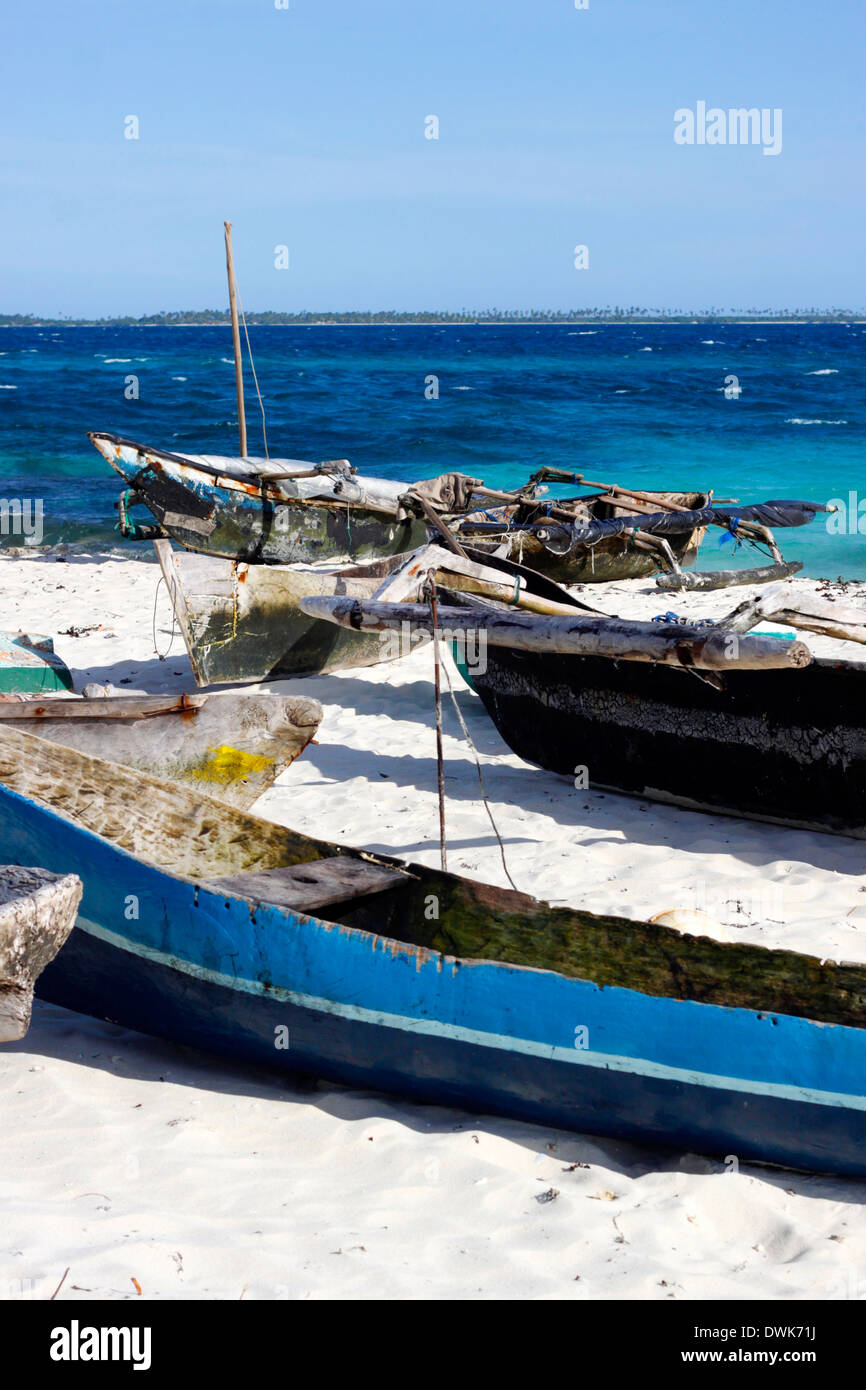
[679,621]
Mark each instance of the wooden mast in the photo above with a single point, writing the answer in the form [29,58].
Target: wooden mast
[236,339]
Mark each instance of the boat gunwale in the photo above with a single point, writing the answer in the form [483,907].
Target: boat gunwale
[262,489]
[120,441]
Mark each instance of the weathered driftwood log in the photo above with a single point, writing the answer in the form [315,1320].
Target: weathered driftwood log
[726,579]
[801,610]
[579,635]
[37,913]
[842,625]
[755,609]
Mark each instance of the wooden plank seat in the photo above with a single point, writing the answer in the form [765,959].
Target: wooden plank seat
[309,887]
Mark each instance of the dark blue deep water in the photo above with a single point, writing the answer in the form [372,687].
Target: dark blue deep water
[633,404]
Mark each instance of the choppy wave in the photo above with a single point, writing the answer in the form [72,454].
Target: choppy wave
[355,394]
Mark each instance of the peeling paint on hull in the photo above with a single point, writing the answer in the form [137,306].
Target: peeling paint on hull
[258,529]
[492,1073]
[232,745]
[253,522]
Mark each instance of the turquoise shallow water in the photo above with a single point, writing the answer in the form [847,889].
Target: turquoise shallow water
[635,404]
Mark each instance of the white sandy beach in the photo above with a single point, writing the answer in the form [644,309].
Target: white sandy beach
[124,1158]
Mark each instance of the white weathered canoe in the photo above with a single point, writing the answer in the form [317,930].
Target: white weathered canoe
[293,479]
[232,746]
[37,913]
[281,511]
[244,622]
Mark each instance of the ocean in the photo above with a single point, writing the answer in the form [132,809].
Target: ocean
[752,411]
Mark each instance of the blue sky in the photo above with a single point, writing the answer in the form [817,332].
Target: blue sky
[305,127]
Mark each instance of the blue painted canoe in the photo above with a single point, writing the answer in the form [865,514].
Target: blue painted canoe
[428,984]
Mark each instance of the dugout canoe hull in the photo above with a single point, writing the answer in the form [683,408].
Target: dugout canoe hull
[37,913]
[787,746]
[232,746]
[244,622]
[437,987]
[611,559]
[248,519]
[30,665]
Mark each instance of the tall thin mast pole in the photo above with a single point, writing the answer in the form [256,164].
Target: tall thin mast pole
[236,339]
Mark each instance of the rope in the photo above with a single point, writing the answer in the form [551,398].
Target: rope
[430,586]
[163,656]
[253,368]
[468,738]
[671,617]
[431,590]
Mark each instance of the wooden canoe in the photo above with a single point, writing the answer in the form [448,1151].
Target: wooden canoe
[780,745]
[29,664]
[233,746]
[37,913]
[244,622]
[710,717]
[215,929]
[522,532]
[228,507]
[622,534]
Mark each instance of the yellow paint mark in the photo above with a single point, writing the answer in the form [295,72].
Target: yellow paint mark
[225,764]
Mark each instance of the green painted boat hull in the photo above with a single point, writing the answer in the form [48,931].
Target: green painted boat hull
[29,665]
[460,663]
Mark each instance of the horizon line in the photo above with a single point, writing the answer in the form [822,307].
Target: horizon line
[205,318]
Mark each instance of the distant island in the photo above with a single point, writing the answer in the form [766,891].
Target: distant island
[204,318]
